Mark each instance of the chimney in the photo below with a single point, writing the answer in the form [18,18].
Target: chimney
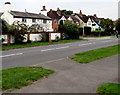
[7,7]
[44,8]
[95,15]
[50,10]
[80,13]
[44,11]
[25,10]
[58,9]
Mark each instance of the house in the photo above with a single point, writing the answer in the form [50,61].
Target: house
[30,19]
[56,17]
[82,18]
[90,21]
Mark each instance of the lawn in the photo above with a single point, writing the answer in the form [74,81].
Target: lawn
[33,44]
[92,55]
[109,89]
[15,78]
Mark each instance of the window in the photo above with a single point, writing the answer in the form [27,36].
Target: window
[93,24]
[55,21]
[33,20]
[24,20]
[44,21]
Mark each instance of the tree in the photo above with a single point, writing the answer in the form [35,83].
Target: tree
[19,33]
[107,25]
[118,26]
[3,27]
[70,30]
[67,12]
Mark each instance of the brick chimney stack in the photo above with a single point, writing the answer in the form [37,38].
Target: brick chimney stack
[44,8]
[80,13]
[44,11]
[58,9]
[95,15]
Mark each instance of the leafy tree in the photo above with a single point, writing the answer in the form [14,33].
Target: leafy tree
[19,33]
[107,25]
[3,27]
[118,26]
[67,12]
[70,29]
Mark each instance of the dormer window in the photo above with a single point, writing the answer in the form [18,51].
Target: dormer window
[33,20]
[24,20]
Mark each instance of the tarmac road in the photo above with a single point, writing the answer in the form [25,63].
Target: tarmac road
[42,54]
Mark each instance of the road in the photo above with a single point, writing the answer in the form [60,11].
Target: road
[45,54]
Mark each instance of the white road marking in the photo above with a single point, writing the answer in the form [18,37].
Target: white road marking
[48,62]
[11,55]
[55,48]
[63,47]
[85,44]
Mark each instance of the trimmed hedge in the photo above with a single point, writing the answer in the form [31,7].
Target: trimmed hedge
[87,30]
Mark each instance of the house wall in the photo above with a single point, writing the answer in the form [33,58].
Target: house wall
[7,17]
[93,28]
[82,23]
[55,25]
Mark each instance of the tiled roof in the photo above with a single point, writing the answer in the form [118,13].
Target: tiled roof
[74,19]
[54,15]
[83,18]
[1,14]
[28,15]
[95,19]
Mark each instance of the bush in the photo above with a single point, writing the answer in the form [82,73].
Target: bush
[97,32]
[80,30]
[87,30]
[70,29]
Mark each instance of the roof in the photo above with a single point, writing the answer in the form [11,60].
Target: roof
[83,18]
[1,14]
[95,19]
[29,15]
[54,15]
[74,19]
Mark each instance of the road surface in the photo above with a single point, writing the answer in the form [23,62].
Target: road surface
[45,54]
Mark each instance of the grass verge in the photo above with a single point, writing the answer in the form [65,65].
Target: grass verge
[15,78]
[92,55]
[109,89]
[8,47]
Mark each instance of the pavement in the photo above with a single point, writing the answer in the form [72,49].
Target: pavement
[73,77]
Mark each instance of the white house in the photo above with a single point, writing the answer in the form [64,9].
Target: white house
[30,19]
[93,22]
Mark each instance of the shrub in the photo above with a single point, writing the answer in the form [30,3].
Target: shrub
[70,29]
[87,30]
[80,30]
[97,32]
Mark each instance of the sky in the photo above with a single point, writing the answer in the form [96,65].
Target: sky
[103,8]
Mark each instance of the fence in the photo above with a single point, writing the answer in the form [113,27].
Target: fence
[32,36]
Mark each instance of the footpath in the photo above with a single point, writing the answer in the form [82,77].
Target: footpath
[73,77]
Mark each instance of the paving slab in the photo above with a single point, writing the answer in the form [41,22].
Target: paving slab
[73,77]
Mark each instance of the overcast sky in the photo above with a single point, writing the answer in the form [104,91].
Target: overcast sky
[103,8]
